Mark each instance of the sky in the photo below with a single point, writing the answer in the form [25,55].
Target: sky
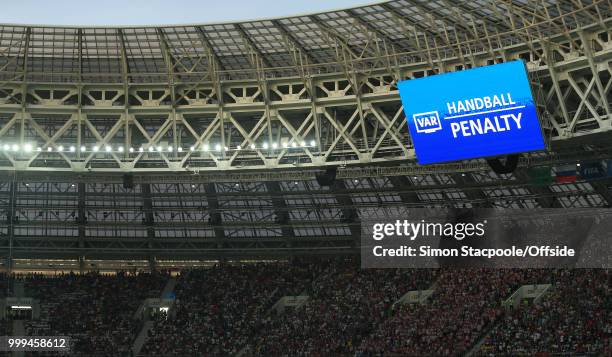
[157,12]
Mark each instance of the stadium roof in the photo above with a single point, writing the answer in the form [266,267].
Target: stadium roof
[407,27]
[308,90]
[205,103]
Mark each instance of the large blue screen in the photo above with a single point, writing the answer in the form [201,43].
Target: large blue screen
[480,112]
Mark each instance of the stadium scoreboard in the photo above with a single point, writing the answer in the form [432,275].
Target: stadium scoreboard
[480,112]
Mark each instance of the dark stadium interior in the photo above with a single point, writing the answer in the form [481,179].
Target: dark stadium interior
[228,310]
[200,190]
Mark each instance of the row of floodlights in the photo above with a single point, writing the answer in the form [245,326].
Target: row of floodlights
[151,148]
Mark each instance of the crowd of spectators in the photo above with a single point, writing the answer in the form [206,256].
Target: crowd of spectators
[6,328]
[227,309]
[464,304]
[218,309]
[5,325]
[346,303]
[96,310]
[574,318]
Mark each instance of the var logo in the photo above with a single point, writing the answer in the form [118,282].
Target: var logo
[427,122]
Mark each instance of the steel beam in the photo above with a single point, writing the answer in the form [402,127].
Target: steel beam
[215,219]
[281,211]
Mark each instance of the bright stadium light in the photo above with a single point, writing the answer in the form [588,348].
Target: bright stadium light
[170,148]
[253,146]
[95,148]
[312,143]
[151,149]
[72,148]
[225,148]
[39,149]
[15,147]
[60,148]
[131,149]
[205,147]
[49,149]
[108,148]
[7,147]
[83,148]
[285,145]
[238,147]
[274,145]
[27,147]
[192,148]
[180,149]
[265,145]
[159,148]
[218,147]
[294,144]
[303,143]
[140,149]
[120,149]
